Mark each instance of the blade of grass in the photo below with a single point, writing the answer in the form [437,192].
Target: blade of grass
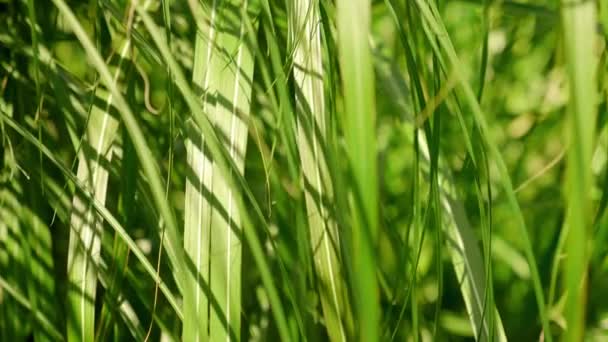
[462,243]
[223,69]
[114,299]
[87,225]
[353,23]
[579,25]
[100,208]
[150,169]
[197,214]
[225,164]
[14,265]
[429,12]
[311,127]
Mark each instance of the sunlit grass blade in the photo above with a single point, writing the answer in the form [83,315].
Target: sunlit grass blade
[226,164]
[99,207]
[231,112]
[144,154]
[197,214]
[223,70]
[579,27]
[311,129]
[87,225]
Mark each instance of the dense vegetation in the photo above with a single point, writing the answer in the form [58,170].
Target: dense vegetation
[303,170]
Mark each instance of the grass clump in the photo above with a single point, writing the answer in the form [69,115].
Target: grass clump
[302,170]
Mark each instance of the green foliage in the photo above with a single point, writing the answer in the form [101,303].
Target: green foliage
[303,170]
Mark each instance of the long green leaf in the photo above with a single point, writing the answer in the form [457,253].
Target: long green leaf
[579,26]
[87,225]
[466,258]
[353,22]
[150,169]
[100,208]
[311,128]
[226,165]
[439,33]
[223,70]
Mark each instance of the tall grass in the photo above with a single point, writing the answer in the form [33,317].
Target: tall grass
[353,25]
[580,46]
[312,122]
[302,170]
[223,68]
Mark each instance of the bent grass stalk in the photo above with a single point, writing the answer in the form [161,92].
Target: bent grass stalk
[466,257]
[429,13]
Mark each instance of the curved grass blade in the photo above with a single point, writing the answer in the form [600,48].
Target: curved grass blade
[462,242]
[144,154]
[100,208]
[438,32]
[311,128]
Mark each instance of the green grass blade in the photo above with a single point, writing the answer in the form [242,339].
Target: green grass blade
[100,208]
[150,169]
[197,214]
[223,70]
[225,164]
[429,12]
[353,23]
[87,225]
[311,128]
[470,269]
[579,26]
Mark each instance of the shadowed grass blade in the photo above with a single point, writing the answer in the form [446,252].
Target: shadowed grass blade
[44,321]
[100,208]
[226,165]
[466,259]
[438,33]
[223,70]
[40,278]
[87,225]
[311,127]
[144,154]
